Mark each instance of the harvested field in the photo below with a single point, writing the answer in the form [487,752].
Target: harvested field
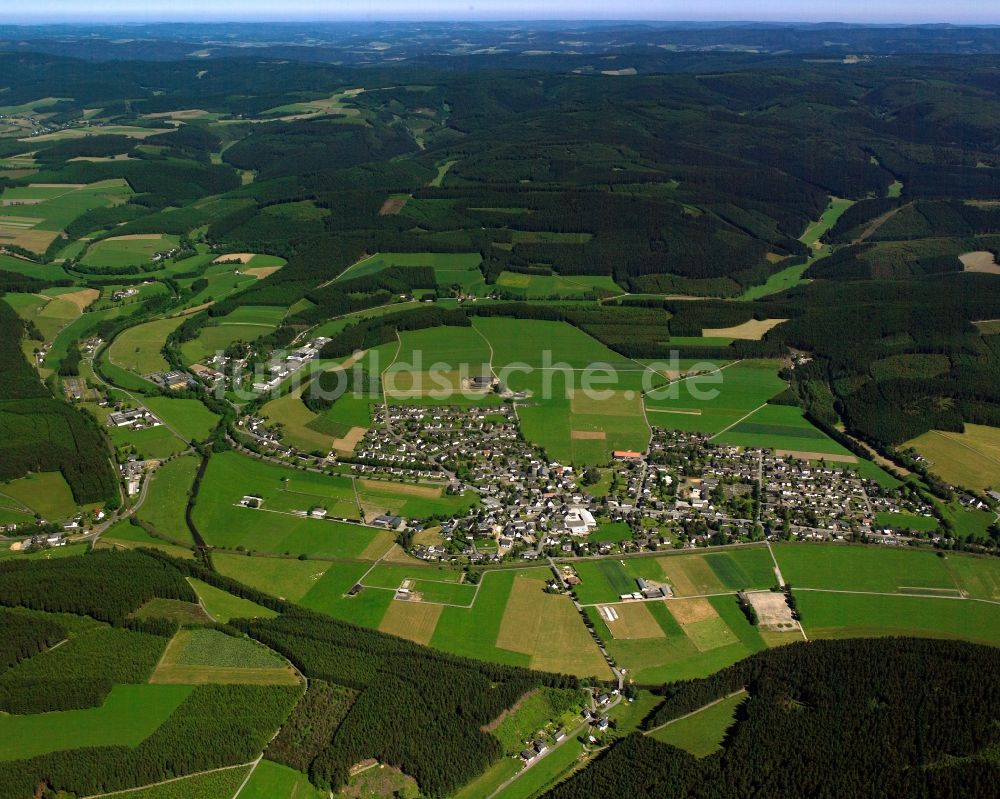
[816,456]
[691,611]
[415,621]
[588,435]
[260,272]
[548,628]
[980,261]
[139,237]
[988,326]
[753,330]
[633,620]
[242,257]
[378,546]
[351,440]
[410,489]
[392,206]
[82,298]
[689,576]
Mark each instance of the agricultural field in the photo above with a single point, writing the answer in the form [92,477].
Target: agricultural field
[711,403]
[573,421]
[134,250]
[274,781]
[246,323]
[223,606]
[167,499]
[45,493]
[138,349]
[130,713]
[450,269]
[858,568]
[285,578]
[686,638]
[211,785]
[970,459]
[231,476]
[785,429]
[701,733]
[563,286]
[189,417]
[33,216]
[199,656]
[689,575]
[846,615]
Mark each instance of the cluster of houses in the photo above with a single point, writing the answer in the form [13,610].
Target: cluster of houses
[282,368]
[132,472]
[174,380]
[123,294]
[133,419]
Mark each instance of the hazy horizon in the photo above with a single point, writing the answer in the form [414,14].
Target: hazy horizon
[960,12]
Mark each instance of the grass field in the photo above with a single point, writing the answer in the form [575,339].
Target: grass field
[906,521]
[213,785]
[607,417]
[554,285]
[130,714]
[546,773]
[138,348]
[223,606]
[230,476]
[460,269]
[702,732]
[839,615]
[713,402]
[199,656]
[970,459]
[858,568]
[784,428]
[189,417]
[792,276]
[152,442]
[274,781]
[327,595]
[285,578]
[167,499]
[45,493]
[122,251]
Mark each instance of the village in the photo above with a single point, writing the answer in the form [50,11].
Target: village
[684,492]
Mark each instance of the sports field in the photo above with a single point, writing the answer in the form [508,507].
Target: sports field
[130,714]
[138,349]
[970,459]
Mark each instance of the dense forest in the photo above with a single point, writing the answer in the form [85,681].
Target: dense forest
[871,717]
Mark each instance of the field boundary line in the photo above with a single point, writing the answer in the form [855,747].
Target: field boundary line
[253,768]
[172,779]
[742,418]
[696,712]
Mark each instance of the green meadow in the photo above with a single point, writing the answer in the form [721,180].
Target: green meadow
[130,714]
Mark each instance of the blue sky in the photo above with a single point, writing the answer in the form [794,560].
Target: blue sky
[958,11]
